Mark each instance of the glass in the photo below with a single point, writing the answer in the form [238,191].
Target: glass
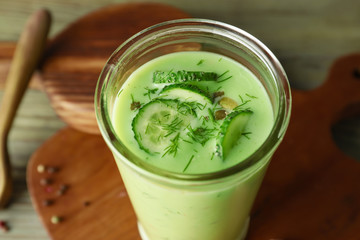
[178,206]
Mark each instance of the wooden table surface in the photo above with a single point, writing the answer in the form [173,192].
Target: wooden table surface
[307,36]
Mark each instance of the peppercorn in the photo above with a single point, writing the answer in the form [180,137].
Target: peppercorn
[55,219]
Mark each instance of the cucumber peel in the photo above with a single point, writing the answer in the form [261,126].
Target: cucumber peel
[183,76]
[156,123]
[186,92]
[231,130]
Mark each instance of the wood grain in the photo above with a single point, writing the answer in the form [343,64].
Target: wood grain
[96,205]
[7,50]
[306,35]
[311,189]
[75,58]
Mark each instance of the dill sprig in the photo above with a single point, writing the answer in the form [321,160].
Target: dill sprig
[201,134]
[150,92]
[219,80]
[172,127]
[189,162]
[211,115]
[204,119]
[250,96]
[223,73]
[173,147]
[241,105]
[246,134]
[200,62]
[243,102]
[186,108]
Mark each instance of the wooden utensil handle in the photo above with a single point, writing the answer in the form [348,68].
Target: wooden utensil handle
[26,58]
[7,50]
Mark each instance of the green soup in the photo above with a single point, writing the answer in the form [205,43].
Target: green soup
[176,112]
[192,113]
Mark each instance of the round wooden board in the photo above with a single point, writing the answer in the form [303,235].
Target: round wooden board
[311,189]
[74,59]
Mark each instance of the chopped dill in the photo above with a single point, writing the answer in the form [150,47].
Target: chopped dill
[201,134]
[147,128]
[223,74]
[120,92]
[172,127]
[243,102]
[150,91]
[218,89]
[186,108]
[211,115]
[204,119]
[250,96]
[187,141]
[223,80]
[241,99]
[245,134]
[173,147]
[200,62]
[188,164]
[241,105]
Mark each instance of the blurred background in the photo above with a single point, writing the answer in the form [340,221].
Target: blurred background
[307,36]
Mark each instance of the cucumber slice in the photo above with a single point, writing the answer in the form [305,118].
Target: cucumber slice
[186,93]
[231,130]
[183,76]
[157,123]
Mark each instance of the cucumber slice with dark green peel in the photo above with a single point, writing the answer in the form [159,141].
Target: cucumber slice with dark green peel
[157,123]
[183,76]
[186,93]
[231,130]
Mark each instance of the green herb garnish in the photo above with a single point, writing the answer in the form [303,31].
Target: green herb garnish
[250,96]
[223,75]
[186,108]
[150,91]
[201,134]
[173,147]
[172,127]
[188,164]
[211,115]
[200,62]
[244,102]
[245,134]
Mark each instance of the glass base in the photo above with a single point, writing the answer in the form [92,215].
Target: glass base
[241,236]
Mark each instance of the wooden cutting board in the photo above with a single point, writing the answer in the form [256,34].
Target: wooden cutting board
[74,59]
[311,190]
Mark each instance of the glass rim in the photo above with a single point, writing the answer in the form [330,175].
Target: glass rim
[281,120]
